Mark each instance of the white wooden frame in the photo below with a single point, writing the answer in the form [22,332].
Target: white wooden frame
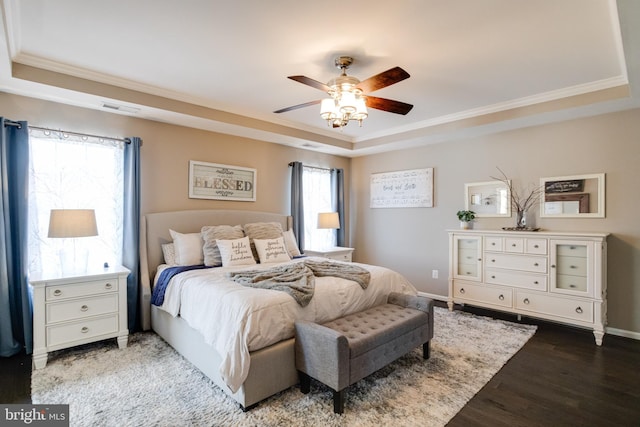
[221,182]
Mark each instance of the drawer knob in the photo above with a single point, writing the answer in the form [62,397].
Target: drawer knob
[84,308]
[513,245]
[479,259]
[572,266]
[535,282]
[536,246]
[501,297]
[493,244]
[108,286]
[572,248]
[493,260]
[462,290]
[526,301]
[57,292]
[84,330]
[535,264]
[553,266]
[579,310]
[493,277]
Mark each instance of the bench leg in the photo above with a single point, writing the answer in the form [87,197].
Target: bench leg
[426,350]
[305,382]
[338,401]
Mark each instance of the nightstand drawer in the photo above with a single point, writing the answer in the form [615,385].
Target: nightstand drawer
[340,257]
[80,289]
[81,308]
[67,333]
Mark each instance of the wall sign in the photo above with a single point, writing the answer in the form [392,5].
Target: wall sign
[402,189]
[222,182]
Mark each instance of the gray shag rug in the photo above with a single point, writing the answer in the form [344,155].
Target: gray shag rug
[149,384]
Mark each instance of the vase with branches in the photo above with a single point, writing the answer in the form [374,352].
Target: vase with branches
[521,199]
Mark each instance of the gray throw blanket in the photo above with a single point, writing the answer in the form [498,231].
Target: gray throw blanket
[298,280]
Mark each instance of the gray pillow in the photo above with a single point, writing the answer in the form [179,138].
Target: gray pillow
[212,232]
[262,231]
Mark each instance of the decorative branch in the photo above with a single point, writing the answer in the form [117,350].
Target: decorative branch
[519,202]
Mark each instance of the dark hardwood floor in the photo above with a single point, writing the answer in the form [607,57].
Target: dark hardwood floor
[559,378]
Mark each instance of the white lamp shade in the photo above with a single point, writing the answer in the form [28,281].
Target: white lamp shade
[328,109]
[72,223]
[328,220]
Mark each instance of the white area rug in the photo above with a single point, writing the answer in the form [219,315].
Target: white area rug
[149,384]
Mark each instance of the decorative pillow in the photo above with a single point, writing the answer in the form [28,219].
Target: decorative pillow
[235,252]
[271,250]
[262,230]
[188,248]
[210,234]
[169,253]
[291,243]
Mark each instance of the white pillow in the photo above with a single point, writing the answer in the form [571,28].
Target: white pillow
[169,253]
[235,252]
[271,250]
[291,243]
[188,248]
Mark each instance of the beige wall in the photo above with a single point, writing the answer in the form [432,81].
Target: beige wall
[167,149]
[414,240]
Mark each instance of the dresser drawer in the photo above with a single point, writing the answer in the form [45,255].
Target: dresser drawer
[468,243]
[536,246]
[80,289]
[514,244]
[517,262]
[484,294]
[515,278]
[467,256]
[571,250]
[561,307]
[573,283]
[571,265]
[493,244]
[81,308]
[468,270]
[67,333]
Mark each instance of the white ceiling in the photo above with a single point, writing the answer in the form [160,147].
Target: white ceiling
[476,65]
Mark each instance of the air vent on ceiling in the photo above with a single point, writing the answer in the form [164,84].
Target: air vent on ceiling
[122,108]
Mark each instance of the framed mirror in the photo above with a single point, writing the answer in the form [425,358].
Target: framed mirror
[487,199]
[576,196]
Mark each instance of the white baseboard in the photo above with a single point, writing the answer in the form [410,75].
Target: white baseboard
[611,331]
[623,333]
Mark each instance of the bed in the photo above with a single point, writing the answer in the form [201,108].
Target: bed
[270,364]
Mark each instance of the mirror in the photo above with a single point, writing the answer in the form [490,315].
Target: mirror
[487,199]
[577,196]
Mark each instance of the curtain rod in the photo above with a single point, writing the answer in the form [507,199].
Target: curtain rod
[18,125]
[313,167]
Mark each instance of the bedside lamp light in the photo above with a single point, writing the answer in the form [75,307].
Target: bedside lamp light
[328,220]
[72,223]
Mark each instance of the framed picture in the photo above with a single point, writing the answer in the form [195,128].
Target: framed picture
[221,182]
[402,189]
[488,199]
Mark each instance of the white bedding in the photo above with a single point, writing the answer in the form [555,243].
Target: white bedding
[235,319]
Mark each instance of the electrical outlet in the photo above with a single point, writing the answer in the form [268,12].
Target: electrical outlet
[434,274]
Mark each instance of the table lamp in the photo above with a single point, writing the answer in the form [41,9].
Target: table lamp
[72,223]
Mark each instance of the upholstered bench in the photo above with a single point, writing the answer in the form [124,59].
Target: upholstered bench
[345,350]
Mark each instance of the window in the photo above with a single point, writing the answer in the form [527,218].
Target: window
[316,183]
[75,172]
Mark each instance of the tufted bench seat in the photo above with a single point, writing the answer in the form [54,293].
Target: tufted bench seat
[345,350]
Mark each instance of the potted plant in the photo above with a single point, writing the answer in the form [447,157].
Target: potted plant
[465,218]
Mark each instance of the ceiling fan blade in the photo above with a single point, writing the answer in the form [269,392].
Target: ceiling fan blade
[384,79]
[310,82]
[295,107]
[388,105]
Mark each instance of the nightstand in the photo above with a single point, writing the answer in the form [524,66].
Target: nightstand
[338,253]
[78,308]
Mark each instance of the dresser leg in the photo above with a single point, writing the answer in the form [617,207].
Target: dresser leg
[122,341]
[599,336]
[40,360]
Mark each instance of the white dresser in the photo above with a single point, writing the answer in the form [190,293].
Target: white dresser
[70,309]
[338,253]
[556,276]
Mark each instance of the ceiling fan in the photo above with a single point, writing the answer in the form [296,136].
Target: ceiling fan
[349,97]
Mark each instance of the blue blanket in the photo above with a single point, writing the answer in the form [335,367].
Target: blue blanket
[157,297]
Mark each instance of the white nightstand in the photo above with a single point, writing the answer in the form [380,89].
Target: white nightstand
[78,308]
[338,253]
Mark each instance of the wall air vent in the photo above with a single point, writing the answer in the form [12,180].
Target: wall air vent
[121,108]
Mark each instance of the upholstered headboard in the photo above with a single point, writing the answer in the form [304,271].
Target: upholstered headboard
[154,231]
